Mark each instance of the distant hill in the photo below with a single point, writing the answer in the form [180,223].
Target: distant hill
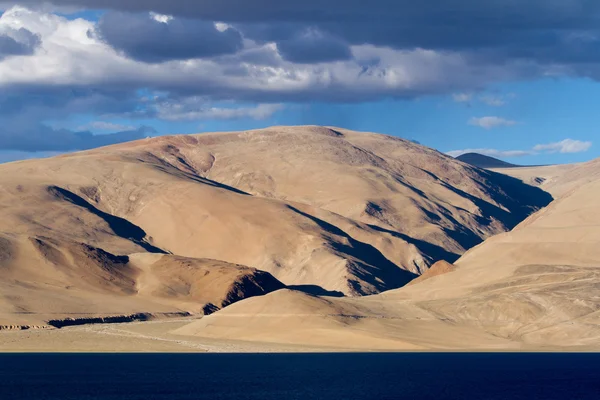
[481,161]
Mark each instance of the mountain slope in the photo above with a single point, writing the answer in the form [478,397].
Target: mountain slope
[43,279]
[379,180]
[321,209]
[483,161]
[556,179]
[535,287]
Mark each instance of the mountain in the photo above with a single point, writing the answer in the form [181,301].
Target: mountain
[134,228]
[556,179]
[533,288]
[483,161]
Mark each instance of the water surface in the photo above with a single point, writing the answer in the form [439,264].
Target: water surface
[300,376]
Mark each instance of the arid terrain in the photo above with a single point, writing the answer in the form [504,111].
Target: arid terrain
[295,239]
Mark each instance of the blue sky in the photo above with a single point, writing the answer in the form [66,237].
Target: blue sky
[544,111]
[124,73]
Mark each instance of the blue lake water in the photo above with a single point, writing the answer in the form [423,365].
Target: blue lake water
[300,376]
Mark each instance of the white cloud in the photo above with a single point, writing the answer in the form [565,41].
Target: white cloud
[491,122]
[495,101]
[195,109]
[43,6]
[165,19]
[492,152]
[462,97]
[222,27]
[564,146]
[105,126]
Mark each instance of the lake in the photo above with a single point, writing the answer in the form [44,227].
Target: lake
[300,376]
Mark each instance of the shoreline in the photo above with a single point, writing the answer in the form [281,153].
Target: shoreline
[155,337]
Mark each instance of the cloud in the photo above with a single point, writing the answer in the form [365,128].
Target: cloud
[546,31]
[71,58]
[106,126]
[313,46]
[153,38]
[495,101]
[165,19]
[491,122]
[42,138]
[17,42]
[492,152]
[462,97]
[386,11]
[195,109]
[564,146]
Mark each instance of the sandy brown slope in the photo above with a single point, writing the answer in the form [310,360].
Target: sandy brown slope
[430,199]
[323,210]
[534,287]
[357,205]
[44,279]
[557,179]
[368,323]
[198,285]
[401,189]
[104,200]
[538,283]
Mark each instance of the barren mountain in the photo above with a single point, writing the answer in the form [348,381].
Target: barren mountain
[535,287]
[483,161]
[325,211]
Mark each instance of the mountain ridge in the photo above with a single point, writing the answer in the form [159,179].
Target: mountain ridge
[483,161]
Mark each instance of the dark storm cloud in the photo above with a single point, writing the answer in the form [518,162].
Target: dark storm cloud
[475,43]
[540,30]
[18,42]
[548,30]
[39,137]
[515,13]
[313,47]
[144,38]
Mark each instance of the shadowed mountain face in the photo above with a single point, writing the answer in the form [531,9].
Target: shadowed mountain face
[328,211]
[482,161]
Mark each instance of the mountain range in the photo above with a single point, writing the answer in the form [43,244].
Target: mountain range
[321,236]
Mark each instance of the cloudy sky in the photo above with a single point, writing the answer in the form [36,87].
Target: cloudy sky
[515,79]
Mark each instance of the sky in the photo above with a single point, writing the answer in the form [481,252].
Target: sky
[514,79]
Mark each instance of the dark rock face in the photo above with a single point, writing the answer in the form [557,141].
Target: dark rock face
[61,323]
[257,284]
